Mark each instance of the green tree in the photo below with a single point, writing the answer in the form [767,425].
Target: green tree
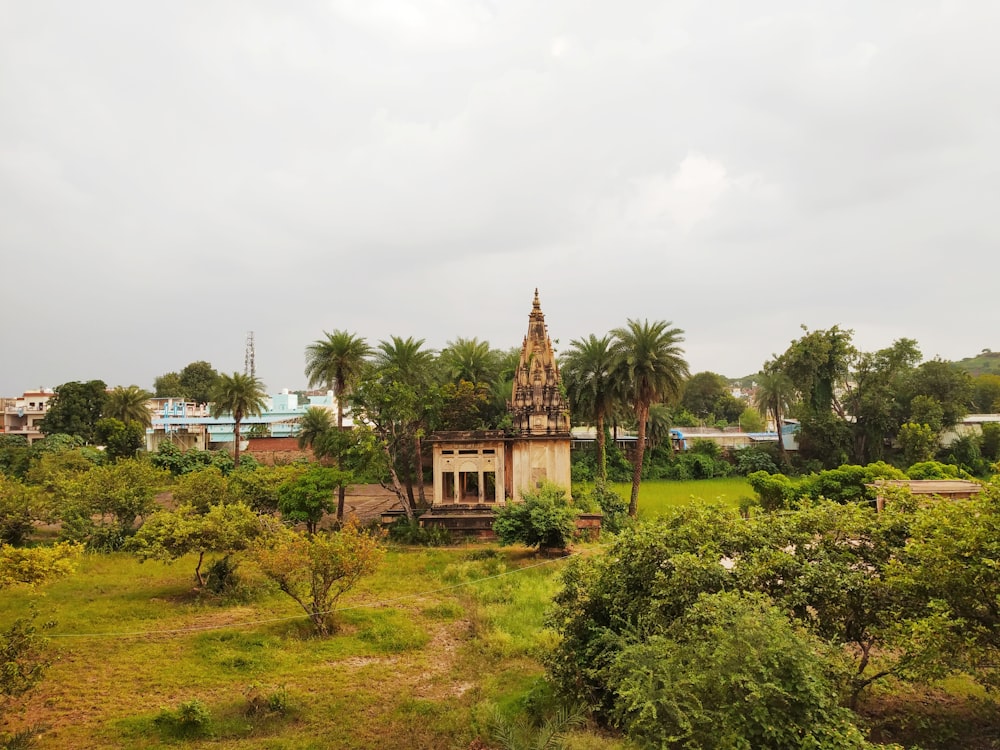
[317,570]
[774,396]
[75,409]
[731,672]
[15,455]
[221,529]
[201,489]
[415,366]
[470,359]
[751,420]
[168,385]
[198,381]
[818,364]
[873,398]
[701,392]
[337,362]
[315,423]
[651,368]
[305,498]
[120,439]
[128,404]
[927,410]
[240,396]
[20,507]
[587,370]
[952,388]
[120,492]
[918,441]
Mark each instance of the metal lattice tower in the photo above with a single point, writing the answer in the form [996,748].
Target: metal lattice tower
[249,366]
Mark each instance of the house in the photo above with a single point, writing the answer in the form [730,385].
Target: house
[957,489]
[22,414]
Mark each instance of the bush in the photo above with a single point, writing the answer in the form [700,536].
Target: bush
[612,505]
[749,460]
[731,672]
[190,718]
[405,531]
[543,519]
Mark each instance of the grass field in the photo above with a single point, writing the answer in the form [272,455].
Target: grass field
[426,648]
[657,497]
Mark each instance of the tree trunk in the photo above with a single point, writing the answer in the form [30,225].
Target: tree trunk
[640,450]
[197,570]
[236,448]
[781,440]
[602,455]
[397,486]
[341,490]
[419,466]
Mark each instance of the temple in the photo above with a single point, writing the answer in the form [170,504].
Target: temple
[477,470]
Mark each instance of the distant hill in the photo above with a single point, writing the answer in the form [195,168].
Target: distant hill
[986,362]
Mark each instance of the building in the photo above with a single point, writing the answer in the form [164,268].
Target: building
[474,471]
[22,414]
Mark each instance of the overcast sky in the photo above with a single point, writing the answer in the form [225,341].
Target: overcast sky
[174,175]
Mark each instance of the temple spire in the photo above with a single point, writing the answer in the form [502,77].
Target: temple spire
[537,402]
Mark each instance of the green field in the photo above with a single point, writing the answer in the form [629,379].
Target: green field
[656,497]
[426,648]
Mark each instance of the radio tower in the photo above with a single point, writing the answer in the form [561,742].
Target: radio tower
[249,366]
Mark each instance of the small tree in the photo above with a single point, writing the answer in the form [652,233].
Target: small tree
[544,519]
[317,570]
[223,529]
[306,498]
[918,441]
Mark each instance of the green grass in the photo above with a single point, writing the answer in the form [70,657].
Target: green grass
[657,497]
[423,646]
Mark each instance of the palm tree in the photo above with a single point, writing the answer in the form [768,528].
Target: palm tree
[774,396]
[242,396]
[472,360]
[650,367]
[128,404]
[337,362]
[587,369]
[315,423]
[412,365]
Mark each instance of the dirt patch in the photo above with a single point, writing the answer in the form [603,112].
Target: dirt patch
[933,720]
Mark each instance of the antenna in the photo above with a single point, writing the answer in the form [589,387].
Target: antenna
[249,366]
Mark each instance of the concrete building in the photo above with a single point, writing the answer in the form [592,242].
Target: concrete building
[22,414]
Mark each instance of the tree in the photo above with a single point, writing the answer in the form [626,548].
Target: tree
[20,506]
[918,441]
[121,492]
[317,570]
[732,671]
[198,382]
[818,365]
[544,519]
[774,396]
[128,404]
[168,535]
[168,385]
[651,368]
[879,378]
[32,566]
[337,363]
[587,370]
[201,489]
[315,423]
[952,388]
[305,498]
[470,359]
[414,365]
[752,421]
[241,396]
[120,439]
[75,409]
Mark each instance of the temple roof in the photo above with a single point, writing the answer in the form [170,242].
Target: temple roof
[537,401]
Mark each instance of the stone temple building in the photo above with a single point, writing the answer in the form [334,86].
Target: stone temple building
[477,470]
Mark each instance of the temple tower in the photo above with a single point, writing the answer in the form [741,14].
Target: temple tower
[538,404]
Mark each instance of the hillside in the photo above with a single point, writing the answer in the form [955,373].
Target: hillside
[985,362]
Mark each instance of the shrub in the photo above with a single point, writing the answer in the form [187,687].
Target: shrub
[543,519]
[405,531]
[731,672]
[190,718]
[749,460]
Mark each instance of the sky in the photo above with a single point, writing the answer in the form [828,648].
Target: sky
[175,175]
